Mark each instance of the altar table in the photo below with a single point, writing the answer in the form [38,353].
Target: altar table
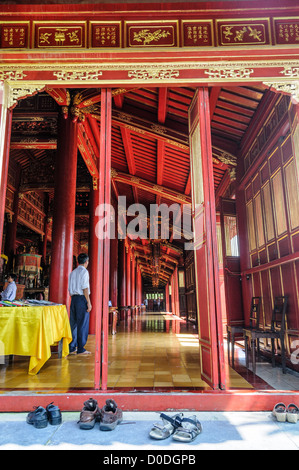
[31,331]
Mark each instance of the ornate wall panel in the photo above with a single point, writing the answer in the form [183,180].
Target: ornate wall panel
[272,201]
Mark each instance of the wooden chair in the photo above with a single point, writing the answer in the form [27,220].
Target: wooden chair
[236,331]
[276,331]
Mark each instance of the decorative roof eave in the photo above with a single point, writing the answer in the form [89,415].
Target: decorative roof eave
[24,79]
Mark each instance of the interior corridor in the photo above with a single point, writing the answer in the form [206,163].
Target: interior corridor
[155,350]
[151,351]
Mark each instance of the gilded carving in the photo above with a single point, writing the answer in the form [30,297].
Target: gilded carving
[239,34]
[227,158]
[12,75]
[229,72]
[113,173]
[124,117]
[145,36]
[135,129]
[15,93]
[152,73]
[135,180]
[159,129]
[177,144]
[292,72]
[158,189]
[291,88]
[66,75]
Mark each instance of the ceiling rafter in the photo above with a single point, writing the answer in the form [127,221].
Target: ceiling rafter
[214,95]
[162,105]
[160,161]
[90,136]
[129,153]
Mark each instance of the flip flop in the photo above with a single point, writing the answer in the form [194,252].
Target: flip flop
[292,413]
[188,431]
[166,427]
[280,412]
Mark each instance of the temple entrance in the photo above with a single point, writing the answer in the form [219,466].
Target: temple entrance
[169,305]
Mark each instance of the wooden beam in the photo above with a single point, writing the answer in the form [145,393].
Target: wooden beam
[160,161]
[188,185]
[214,95]
[127,142]
[162,105]
[95,130]
[150,129]
[87,153]
[89,135]
[33,143]
[129,152]
[145,185]
[118,101]
[160,166]
[60,95]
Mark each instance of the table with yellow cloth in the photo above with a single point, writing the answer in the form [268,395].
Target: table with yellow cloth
[31,331]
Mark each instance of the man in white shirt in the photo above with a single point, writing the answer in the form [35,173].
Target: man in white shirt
[11,290]
[79,290]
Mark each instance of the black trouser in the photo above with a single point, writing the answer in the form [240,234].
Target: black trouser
[79,321]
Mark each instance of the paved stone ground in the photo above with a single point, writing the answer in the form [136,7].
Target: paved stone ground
[221,431]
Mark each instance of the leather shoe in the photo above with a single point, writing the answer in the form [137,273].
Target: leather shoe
[111,416]
[54,414]
[38,418]
[90,414]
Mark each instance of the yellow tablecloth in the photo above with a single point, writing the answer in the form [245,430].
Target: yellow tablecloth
[31,331]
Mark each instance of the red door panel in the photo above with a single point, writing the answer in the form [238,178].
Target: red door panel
[205,243]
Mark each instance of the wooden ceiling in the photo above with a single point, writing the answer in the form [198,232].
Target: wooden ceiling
[149,142]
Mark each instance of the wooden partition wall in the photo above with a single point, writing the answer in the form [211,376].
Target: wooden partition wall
[268,200]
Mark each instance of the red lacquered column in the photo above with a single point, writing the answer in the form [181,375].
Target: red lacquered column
[167,298]
[11,230]
[128,276]
[114,272]
[5,133]
[64,211]
[138,286]
[176,292]
[122,273]
[46,225]
[133,280]
[105,180]
[94,258]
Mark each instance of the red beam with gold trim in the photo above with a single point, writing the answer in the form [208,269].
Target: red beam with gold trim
[141,183]
[86,153]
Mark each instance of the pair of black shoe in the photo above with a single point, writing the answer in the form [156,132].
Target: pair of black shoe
[40,417]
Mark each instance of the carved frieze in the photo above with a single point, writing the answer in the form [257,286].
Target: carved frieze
[190,31]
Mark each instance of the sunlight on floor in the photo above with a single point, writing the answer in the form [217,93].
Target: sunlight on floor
[151,351]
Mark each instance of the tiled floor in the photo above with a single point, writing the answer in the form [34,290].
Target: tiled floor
[158,351]
[152,351]
[266,376]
